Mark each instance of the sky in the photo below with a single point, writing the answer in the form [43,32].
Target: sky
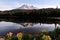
[12,4]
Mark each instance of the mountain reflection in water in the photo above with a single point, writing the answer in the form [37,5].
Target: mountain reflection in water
[14,27]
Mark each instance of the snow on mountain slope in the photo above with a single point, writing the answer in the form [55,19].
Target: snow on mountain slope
[27,7]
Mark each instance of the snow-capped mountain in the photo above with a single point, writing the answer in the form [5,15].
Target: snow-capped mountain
[27,7]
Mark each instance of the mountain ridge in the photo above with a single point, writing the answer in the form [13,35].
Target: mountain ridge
[27,7]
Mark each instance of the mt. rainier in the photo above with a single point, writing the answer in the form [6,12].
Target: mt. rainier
[27,7]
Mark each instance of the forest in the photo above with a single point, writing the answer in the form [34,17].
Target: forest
[39,15]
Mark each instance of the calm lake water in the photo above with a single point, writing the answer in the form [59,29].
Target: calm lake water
[15,27]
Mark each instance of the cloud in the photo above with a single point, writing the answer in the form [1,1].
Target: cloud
[5,25]
[4,6]
[15,4]
[46,6]
[12,5]
[44,25]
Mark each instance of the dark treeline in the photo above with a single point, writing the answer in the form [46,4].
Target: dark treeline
[31,15]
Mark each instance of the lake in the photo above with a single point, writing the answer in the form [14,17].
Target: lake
[15,27]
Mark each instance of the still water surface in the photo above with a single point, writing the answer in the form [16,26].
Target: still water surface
[15,27]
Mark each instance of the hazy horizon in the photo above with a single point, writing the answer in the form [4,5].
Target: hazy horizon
[12,4]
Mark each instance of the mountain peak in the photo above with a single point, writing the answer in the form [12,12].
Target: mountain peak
[25,6]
